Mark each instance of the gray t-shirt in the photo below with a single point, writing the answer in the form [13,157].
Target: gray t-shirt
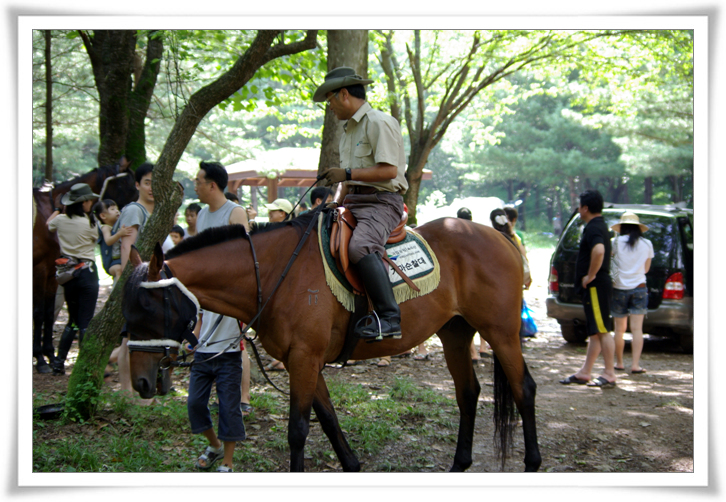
[228,328]
[133,214]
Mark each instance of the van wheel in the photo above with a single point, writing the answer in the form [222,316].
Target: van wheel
[572,333]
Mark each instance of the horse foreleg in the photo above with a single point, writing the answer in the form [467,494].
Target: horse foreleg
[303,383]
[456,339]
[329,422]
[39,319]
[49,318]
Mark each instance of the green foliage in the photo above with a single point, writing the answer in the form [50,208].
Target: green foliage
[87,396]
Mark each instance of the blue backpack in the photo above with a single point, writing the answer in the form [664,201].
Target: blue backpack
[106,252]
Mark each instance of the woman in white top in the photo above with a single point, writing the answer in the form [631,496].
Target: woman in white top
[632,254]
[77,235]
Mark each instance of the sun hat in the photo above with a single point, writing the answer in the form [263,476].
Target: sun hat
[629,218]
[280,205]
[80,192]
[342,76]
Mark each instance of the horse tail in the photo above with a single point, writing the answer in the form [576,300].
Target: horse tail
[505,414]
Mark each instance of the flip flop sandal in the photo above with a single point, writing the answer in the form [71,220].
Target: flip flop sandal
[209,457]
[573,379]
[224,468]
[619,369]
[602,383]
[246,408]
[422,357]
[635,372]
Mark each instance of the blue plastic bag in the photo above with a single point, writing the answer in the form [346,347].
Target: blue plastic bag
[529,327]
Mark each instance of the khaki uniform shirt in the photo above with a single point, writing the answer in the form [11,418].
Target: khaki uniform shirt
[373,137]
[76,236]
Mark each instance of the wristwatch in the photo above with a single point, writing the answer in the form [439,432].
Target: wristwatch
[348,175]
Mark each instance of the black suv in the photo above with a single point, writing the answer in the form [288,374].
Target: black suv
[669,280]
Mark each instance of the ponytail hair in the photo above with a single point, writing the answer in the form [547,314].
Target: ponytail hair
[500,222]
[633,232]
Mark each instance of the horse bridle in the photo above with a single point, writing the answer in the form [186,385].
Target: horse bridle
[168,346]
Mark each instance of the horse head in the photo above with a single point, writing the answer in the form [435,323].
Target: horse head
[120,187]
[160,312]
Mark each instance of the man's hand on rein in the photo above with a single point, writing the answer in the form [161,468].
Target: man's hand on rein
[335,175]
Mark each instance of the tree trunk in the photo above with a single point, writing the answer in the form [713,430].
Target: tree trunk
[48,111]
[84,385]
[677,188]
[574,200]
[345,48]
[112,57]
[140,99]
[648,190]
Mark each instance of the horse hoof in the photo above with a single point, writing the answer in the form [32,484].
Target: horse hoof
[43,368]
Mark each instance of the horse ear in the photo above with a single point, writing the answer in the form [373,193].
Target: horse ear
[134,256]
[155,264]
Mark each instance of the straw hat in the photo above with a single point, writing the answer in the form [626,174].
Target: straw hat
[280,205]
[629,218]
[80,192]
[342,76]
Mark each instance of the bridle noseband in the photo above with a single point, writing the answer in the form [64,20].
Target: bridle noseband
[168,345]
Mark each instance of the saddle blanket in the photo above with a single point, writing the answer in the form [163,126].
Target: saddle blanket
[412,255]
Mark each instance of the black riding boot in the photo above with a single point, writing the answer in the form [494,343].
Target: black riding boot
[372,272]
[64,345]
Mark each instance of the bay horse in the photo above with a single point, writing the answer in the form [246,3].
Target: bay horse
[480,290]
[112,182]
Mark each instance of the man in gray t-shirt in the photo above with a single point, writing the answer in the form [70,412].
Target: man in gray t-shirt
[133,215]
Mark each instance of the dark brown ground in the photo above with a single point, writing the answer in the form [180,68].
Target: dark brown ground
[645,424]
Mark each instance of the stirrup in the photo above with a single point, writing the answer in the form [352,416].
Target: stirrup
[374,320]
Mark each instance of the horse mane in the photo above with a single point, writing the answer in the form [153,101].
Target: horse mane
[218,235]
[100,172]
[208,237]
[299,224]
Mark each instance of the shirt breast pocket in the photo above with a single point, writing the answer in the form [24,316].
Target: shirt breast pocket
[362,155]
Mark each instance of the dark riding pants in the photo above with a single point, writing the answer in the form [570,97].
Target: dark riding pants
[377,215]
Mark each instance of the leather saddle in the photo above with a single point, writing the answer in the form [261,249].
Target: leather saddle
[341,230]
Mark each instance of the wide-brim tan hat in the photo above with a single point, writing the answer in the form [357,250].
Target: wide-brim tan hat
[337,78]
[629,218]
[80,192]
[280,205]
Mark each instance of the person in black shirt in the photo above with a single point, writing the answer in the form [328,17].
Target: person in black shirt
[593,284]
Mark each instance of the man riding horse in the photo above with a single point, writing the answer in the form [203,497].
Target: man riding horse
[372,183]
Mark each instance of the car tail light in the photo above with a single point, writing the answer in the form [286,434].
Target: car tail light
[674,287]
[554,285]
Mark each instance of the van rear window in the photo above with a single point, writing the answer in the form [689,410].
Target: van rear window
[661,232]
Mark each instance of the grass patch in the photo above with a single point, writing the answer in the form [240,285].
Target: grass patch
[125,437]
[376,418]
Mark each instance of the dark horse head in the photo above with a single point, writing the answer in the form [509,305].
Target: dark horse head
[159,313]
[114,182]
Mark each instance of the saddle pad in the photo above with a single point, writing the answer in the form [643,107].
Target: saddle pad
[412,255]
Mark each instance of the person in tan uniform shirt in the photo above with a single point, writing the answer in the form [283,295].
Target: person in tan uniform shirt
[372,183]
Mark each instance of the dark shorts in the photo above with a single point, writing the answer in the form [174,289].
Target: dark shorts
[226,372]
[630,301]
[596,301]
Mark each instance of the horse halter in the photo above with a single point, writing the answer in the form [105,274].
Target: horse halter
[168,345]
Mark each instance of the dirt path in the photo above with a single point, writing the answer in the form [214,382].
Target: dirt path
[644,424]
